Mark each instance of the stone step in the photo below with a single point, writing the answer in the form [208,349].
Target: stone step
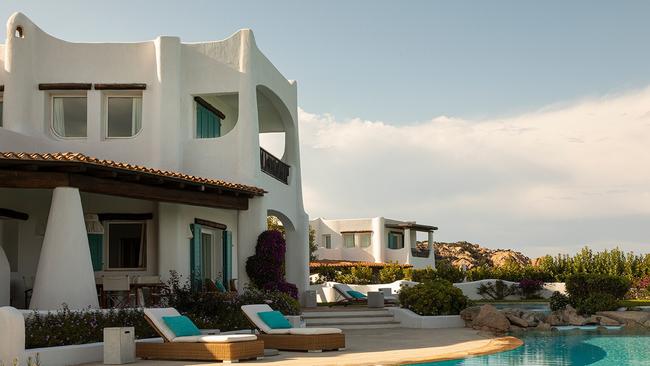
[350,320]
[336,314]
[357,325]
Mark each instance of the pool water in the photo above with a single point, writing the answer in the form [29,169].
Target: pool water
[576,348]
[538,307]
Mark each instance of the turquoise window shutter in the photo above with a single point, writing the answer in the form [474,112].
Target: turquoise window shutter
[96,244]
[196,260]
[208,124]
[227,258]
[392,241]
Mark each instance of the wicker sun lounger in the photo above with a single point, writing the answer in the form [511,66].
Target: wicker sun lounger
[342,289]
[294,339]
[219,347]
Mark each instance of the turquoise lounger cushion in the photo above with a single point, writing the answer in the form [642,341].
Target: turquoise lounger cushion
[274,319]
[220,286]
[356,294]
[181,326]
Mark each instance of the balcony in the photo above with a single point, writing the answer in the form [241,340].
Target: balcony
[274,166]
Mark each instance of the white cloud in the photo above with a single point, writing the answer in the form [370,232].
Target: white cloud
[522,181]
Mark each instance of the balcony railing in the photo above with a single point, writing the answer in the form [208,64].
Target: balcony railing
[421,253]
[274,166]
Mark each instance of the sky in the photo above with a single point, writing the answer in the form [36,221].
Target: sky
[513,124]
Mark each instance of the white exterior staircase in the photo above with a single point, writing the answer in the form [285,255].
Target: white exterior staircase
[349,318]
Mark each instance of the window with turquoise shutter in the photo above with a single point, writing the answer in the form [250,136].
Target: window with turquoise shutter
[395,240]
[96,244]
[208,120]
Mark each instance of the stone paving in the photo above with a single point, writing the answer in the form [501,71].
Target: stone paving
[384,347]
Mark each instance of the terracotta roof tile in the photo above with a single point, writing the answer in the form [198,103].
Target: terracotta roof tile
[342,263]
[72,157]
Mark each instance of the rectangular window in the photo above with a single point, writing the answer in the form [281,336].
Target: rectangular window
[126,245]
[123,116]
[69,116]
[395,240]
[348,240]
[364,240]
[327,241]
[208,124]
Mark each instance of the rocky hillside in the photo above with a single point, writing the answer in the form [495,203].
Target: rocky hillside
[472,255]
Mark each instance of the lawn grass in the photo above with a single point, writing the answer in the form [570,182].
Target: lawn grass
[633,303]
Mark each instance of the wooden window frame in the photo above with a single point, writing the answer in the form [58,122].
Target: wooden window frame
[327,239]
[106,95]
[80,94]
[107,261]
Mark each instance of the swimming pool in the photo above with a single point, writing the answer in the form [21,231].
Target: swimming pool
[541,307]
[575,348]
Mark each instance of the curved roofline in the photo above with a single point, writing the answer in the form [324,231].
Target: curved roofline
[18,18]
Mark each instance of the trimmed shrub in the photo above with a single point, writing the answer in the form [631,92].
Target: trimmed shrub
[266,268]
[390,273]
[587,289]
[497,290]
[360,275]
[597,302]
[558,301]
[530,288]
[434,297]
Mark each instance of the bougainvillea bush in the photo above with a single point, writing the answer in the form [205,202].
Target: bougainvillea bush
[266,269]
[530,288]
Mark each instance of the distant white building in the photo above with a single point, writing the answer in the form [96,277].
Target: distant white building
[180,181]
[378,239]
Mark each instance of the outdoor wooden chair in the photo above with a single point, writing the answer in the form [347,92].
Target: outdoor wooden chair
[206,347]
[294,339]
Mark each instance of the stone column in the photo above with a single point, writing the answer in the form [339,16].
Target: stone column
[250,224]
[297,256]
[407,245]
[430,246]
[65,272]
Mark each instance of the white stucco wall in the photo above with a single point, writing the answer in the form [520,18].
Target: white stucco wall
[230,73]
[470,289]
[5,278]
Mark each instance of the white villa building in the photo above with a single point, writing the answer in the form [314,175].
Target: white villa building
[378,240]
[138,159]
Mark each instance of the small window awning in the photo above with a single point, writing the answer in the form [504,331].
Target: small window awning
[93,175]
[413,226]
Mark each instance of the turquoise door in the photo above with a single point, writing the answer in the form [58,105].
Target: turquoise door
[196,257]
[96,244]
[227,258]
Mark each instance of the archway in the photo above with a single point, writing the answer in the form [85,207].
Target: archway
[277,134]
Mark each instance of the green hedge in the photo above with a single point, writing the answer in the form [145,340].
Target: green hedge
[68,327]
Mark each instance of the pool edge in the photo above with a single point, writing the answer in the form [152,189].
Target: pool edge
[495,345]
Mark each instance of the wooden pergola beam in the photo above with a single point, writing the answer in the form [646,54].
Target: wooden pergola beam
[113,187]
